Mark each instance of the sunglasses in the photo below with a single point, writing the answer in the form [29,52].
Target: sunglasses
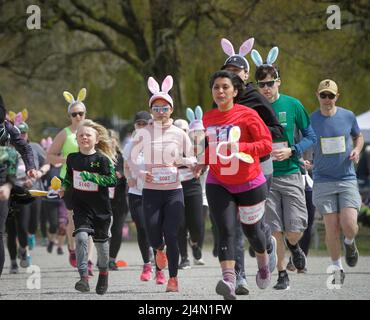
[324,95]
[74,114]
[163,109]
[270,84]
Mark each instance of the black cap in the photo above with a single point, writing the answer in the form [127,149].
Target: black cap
[142,116]
[2,110]
[237,61]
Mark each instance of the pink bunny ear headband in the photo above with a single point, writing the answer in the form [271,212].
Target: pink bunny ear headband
[153,86]
[237,59]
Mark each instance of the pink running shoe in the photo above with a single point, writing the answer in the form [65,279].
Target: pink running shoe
[72,258]
[161,259]
[146,275]
[263,277]
[160,277]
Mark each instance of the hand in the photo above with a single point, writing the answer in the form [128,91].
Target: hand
[148,177]
[282,154]
[307,164]
[32,173]
[197,170]
[28,183]
[354,156]
[61,192]
[5,191]
[118,175]
[131,182]
[38,174]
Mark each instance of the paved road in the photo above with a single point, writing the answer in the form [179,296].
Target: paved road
[58,278]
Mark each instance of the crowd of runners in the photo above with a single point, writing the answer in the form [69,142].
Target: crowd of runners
[256,164]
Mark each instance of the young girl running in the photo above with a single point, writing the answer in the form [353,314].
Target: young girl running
[89,174]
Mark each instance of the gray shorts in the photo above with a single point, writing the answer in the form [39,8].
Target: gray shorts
[330,197]
[286,204]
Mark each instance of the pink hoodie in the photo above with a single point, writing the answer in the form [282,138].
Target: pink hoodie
[165,148]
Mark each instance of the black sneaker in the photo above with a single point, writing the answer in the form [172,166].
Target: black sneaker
[50,247]
[197,252]
[102,285]
[298,256]
[338,277]
[290,265]
[82,285]
[184,264]
[251,252]
[351,254]
[60,251]
[283,281]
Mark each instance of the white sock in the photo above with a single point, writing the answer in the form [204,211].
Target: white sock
[338,263]
[348,241]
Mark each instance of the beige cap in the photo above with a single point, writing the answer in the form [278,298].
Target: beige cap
[328,85]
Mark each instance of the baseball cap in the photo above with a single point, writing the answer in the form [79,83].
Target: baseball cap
[236,61]
[328,85]
[142,116]
[23,127]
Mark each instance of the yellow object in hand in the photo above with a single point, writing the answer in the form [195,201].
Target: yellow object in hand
[56,184]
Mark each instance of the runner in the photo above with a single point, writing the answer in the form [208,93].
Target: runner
[65,143]
[89,173]
[163,147]
[335,189]
[250,97]
[286,211]
[235,188]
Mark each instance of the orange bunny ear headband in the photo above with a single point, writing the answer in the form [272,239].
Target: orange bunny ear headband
[18,118]
[71,100]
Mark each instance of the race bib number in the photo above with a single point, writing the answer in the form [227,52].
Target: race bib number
[112,191]
[164,175]
[83,185]
[251,214]
[185,174]
[333,145]
[277,146]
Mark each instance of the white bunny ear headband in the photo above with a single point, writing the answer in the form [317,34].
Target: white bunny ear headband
[71,100]
[237,58]
[271,58]
[162,93]
[196,119]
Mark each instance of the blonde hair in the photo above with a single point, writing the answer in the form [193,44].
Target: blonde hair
[113,134]
[104,145]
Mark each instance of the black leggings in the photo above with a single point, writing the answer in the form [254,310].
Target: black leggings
[3,216]
[194,222]
[305,241]
[33,209]
[224,205]
[135,203]
[164,213]
[49,213]
[119,209]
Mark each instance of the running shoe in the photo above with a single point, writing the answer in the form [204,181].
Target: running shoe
[161,259]
[351,254]
[14,268]
[25,258]
[172,285]
[197,251]
[251,252]
[146,274]
[60,251]
[160,277]
[72,258]
[82,285]
[102,285]
[50,246]
[226,289]
[90,268]
[298,256]
[199,262]
[283,281]
[290,265]
[184,264]
[242,288]
[338,277]
[263,277]
[302,271]
[31,241]
[112,265]
[272,255]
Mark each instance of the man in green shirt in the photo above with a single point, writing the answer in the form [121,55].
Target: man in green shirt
[286,211]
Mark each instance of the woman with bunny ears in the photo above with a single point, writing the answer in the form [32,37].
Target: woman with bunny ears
[236,187]
[163,146]
[65,143]
[250,97]
[286,211]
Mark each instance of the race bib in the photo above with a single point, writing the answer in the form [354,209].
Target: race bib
[333,145]
[111,192]
[277,146]
[185,174]
[251,214]
[164,175]
[83,185]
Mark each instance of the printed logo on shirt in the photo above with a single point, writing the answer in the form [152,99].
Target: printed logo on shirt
[218,134]
[95,164]
[79,184]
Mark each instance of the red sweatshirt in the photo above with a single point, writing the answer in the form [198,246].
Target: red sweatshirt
[255,140]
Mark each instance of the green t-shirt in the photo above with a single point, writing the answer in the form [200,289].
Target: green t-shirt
[293,117]
[70,146]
